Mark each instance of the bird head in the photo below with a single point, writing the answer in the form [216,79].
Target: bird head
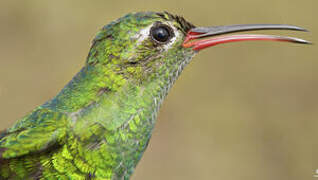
[146,45]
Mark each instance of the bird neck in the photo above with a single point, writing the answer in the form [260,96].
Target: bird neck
[111,114]
[101,90]
[85,88]
[95,81]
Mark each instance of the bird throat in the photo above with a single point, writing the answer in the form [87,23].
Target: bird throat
[118,121]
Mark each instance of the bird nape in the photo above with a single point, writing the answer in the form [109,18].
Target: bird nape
[100,123]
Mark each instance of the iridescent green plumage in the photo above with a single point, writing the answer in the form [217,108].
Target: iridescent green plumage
[99,125]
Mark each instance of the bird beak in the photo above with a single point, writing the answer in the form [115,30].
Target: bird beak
[209,33]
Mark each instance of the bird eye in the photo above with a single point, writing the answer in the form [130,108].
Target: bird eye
[161,33]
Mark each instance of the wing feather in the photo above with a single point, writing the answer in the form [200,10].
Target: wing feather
[34,133]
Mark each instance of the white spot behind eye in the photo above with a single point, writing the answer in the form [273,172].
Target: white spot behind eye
[173,39]
[142,34]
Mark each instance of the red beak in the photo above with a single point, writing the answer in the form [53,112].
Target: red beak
[202,32]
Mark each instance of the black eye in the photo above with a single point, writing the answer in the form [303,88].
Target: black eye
[161,33]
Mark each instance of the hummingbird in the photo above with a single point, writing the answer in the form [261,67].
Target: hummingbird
[99,125]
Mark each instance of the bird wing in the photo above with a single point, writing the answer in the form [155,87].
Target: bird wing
[38,131]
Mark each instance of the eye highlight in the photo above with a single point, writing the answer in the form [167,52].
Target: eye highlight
[161,33]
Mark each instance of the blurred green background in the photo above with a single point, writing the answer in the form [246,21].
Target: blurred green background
[242,111]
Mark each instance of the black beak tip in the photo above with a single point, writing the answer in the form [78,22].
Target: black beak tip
[296,28]
[218,30]
[301,41]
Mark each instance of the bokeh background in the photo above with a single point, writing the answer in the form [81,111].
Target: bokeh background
[242,111]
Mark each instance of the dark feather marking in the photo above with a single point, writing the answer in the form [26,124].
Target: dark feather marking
[3,133]
[37,173]
[162,16]
[90,175]
[2,150]
[102,91]
[185,25]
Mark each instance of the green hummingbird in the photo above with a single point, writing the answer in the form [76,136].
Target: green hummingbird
[100,123]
